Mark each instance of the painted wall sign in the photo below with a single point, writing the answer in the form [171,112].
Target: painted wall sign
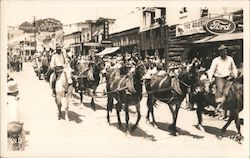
[220,26]
[190,28]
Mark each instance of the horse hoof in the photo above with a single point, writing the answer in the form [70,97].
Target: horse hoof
[201,128]
[219,137]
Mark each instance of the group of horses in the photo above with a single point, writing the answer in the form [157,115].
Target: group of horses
[125,89]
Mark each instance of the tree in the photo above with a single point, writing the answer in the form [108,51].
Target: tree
[47,24]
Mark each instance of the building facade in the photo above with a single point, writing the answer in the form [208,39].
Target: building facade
[153,33]
[124,33]
[189,38]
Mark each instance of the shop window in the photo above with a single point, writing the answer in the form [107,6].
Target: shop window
[152,17]
[88,37]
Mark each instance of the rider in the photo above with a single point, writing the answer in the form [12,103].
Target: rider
[15,121]
[223,69]
[57,64]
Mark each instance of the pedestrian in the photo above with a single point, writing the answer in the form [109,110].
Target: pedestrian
[14,117]
[223,69]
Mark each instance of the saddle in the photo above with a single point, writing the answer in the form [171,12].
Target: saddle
[158,81]
[125,82]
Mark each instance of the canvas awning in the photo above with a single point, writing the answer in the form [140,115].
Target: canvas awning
[95,33]
[108,51]
[225,37]
[100,32]
[92,44]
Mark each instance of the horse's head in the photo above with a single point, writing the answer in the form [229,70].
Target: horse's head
[68,73]
[140,69]
[189,77]
[99,65]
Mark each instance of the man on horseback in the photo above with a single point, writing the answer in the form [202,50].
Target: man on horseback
[223,69]
[57,64]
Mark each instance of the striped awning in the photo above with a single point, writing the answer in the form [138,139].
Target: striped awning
[225,37]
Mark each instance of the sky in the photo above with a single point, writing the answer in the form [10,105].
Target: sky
[18,11]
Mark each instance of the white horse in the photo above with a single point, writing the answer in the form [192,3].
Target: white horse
[63,89]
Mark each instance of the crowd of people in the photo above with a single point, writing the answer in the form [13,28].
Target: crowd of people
[15,62]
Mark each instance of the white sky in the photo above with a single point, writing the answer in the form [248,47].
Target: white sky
[18,11]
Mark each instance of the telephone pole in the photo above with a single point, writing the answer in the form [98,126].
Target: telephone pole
[35,29]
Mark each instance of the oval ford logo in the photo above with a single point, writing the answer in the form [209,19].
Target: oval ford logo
[220,26]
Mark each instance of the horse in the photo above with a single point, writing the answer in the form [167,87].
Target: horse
[88,78]
[171,90]
[233,103]
[63,89]
[126,90]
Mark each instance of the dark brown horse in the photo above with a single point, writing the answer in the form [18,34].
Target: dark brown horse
[171,90]
[125,89]
[233,103]
[88,78]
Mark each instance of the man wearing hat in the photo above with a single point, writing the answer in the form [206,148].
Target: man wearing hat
[57,64]
[15,122]
[223,69]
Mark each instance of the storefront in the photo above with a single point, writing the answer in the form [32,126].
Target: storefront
[201,39]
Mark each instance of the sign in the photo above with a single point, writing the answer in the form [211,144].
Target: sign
[106,29]
[149,9]
[220,26]
[190,28]
[106,42]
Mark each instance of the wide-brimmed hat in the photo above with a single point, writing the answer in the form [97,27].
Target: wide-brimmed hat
[58,46]
[12,87]
[222,47]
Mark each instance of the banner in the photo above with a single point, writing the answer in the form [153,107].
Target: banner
[190,28]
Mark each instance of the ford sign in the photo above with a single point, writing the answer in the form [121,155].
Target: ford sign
[220,26]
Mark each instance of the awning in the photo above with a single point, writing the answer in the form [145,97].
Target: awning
[100,32]
[95,33]
[92,44]
[108,51]
[225,37]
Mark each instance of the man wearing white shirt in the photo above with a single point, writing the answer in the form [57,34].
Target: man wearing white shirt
[222,69]
[57,64]
[15,119]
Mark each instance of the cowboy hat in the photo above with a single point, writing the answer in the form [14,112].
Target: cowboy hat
[222,47]
[12,87]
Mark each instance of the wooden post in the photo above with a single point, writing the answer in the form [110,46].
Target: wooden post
[166,46]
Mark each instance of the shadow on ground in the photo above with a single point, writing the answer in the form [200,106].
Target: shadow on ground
[165,127]
[138,132]
[217,131]
[73,116]
[97,106]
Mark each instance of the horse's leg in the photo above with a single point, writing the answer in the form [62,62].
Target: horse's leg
[59,106]
[174,114]
[81,96]
[93,103]
[68,97]
[126,113]
[199,110]
[149,105]
[138,115]
[231,118]
[118,109]
[152,111]
[238,137]
[109,106]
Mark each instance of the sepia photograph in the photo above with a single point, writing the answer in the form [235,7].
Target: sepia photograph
[124,79]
